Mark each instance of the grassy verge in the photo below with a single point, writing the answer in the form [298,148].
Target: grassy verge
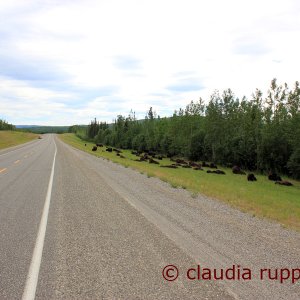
[262,198]
[13,138]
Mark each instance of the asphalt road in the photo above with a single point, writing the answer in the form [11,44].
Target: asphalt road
[111,231]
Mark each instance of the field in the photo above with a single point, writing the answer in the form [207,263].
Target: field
[262,198]
[13,138]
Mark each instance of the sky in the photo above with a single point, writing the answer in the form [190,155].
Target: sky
[65,62]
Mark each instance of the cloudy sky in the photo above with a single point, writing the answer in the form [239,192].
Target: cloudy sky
[65,62]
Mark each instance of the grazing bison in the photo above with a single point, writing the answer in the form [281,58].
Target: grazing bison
[219,172]
[195,165]
[213,166]
[287,183]
[94,148]
[99,145]
[274,177]
[181,161]
[197,169]
[109,149]
[251,177]
[170,166]
[237,170]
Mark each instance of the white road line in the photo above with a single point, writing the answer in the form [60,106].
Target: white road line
[33,274]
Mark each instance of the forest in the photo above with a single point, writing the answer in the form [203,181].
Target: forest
[259,134]
[6,126]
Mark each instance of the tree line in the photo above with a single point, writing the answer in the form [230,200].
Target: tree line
[6,126]
[260,133]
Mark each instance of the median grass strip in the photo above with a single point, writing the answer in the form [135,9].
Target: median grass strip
[262,198]
[14,138]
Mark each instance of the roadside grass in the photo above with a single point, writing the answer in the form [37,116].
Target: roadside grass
[13,138]
[261,199]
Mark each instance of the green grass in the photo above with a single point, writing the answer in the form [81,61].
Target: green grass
[261,199]
[13,138]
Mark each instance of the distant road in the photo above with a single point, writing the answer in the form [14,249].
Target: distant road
[110,232]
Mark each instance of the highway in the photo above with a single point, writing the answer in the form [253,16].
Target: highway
[74,226]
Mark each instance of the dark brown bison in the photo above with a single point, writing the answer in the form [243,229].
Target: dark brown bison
[94,148]
[109,149]
[197,169]
[213,166]
[274,177]
[219,172]
[99,145]
[181,161]
[251,177]
[284,182]
[237,170]
[170,166]
[194,164]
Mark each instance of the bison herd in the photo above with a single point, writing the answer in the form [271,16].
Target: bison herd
[153,158]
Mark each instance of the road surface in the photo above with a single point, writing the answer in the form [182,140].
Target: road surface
[107,232]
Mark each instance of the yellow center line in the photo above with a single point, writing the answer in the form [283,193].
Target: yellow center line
[17,161]
[2,170]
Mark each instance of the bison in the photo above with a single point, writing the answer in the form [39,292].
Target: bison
[94,148]
[237,170]
[286,183]
[219,172]
[181,161]
[197,169]
[193,164]
[251,177]
[213,166]
[109,149]
[170,166]
[274,177]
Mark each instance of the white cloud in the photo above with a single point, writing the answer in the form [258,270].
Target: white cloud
[159,53]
